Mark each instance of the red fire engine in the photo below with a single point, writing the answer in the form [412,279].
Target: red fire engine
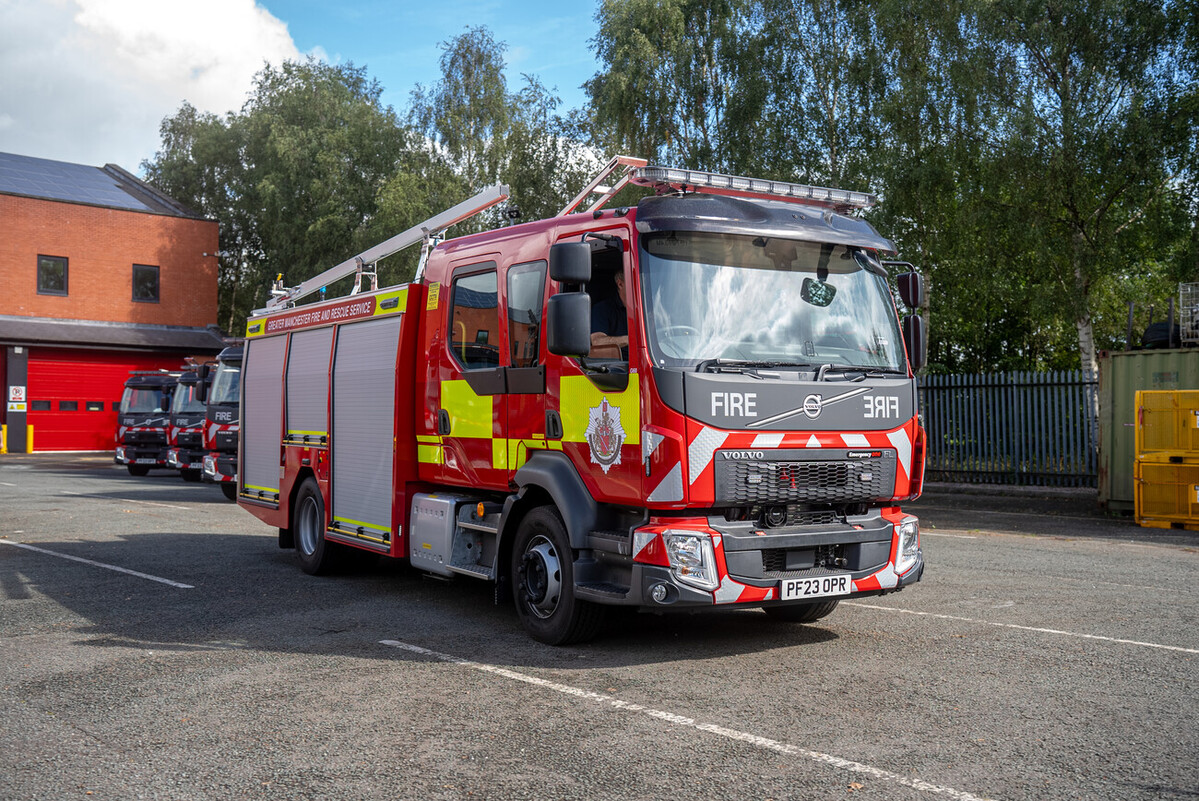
[705,400]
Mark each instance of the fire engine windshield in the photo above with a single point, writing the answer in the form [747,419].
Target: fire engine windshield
[226,384]
[769,301]
[143,399]
[184,400]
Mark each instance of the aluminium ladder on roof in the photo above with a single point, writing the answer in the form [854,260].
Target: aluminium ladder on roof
[426,232]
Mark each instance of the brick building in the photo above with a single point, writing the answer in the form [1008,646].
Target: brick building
[100,274]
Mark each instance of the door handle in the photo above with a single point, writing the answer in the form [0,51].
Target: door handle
[553,426]
[443,422]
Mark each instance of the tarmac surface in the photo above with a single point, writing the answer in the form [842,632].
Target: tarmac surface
[156,643]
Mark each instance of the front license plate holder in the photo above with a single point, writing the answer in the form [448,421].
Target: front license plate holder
[799,589]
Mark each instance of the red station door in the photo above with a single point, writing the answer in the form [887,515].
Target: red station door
[74,394]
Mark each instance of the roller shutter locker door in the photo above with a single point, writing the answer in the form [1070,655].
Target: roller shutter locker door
[262,414]
[363,435]
[308,384]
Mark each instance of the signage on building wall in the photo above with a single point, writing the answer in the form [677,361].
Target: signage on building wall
[16,407]
[16,395]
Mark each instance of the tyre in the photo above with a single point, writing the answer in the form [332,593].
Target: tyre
[190,474]
[543,582]
[308,529]
[138,469]
[230,489]
[801,613]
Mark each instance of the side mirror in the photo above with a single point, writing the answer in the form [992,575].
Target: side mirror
[204,371]
[915,340]
[570,262]
[568,322]
[911,289]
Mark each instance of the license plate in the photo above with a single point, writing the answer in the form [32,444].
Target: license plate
[196,465]
[145,461]
[815,587]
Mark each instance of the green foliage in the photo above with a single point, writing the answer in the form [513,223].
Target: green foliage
[1039,162]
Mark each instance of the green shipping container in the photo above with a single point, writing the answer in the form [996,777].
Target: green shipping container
[1121,374]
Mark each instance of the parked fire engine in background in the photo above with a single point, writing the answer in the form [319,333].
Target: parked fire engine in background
[223,421]
[742,439]
[185,450]
[143,421]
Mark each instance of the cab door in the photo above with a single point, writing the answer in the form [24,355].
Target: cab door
[524,306]
[472,381]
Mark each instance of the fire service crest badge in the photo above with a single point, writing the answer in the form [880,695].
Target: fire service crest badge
[605,435]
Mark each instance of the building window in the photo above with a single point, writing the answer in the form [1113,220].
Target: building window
[68,406]
[51,275]
[145,283]
[95,406]
[39,406]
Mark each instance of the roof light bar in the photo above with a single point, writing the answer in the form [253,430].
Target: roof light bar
[670,178]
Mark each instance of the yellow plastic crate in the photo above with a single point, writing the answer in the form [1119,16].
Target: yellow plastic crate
[1166,493]
[1167,420]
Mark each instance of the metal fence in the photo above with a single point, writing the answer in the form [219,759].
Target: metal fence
[1012,428]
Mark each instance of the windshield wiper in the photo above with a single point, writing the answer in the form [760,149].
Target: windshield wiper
[865,372]
[743,366]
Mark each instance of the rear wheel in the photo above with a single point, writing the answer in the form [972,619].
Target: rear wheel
[230,489]
[308,529]
[801,613]
[543,582]
[137,469]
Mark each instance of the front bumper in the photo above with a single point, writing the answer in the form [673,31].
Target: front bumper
[185,459]
[150,456]
[219,468]
[742,570]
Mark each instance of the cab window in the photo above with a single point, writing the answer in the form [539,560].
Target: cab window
[475,320]
[526,286]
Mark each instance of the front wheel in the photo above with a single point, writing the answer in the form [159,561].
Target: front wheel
[137,469]
[543,583]
[230,490]
[190,474]
[801,613]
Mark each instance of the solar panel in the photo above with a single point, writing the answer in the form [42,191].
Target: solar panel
[74,183]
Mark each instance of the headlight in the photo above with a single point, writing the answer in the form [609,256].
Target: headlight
[909,545]
[120,453]
[692,559]
[209,465]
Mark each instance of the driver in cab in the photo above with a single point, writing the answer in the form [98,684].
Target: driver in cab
[610,324]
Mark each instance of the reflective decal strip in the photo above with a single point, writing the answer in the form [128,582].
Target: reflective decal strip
[903,449]
[670,489]
[855,441]
[649,444]
[430,453]
[701,450]
[470,414]
[767,441]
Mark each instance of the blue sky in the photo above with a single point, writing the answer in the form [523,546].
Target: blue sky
[90,81]
[399,42]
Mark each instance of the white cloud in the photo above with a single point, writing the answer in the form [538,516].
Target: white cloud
[90,81]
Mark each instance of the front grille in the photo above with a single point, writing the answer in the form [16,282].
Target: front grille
[188,439]
[828,477]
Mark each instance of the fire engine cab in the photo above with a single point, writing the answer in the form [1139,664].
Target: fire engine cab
[702,401]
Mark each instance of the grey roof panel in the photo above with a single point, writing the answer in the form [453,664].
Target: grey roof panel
[108,186]
[91,334]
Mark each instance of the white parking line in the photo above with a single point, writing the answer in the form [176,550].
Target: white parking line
[97,564]
[1025,628]
[680,720]
[124,500]
[924,533]
[6,484]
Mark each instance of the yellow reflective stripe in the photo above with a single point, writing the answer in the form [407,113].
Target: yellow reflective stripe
[430,454]
[402,294]
[428,439]
[375,526]
[299,433]
[578,396]
[499,453]
[470,414]
[262,489]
